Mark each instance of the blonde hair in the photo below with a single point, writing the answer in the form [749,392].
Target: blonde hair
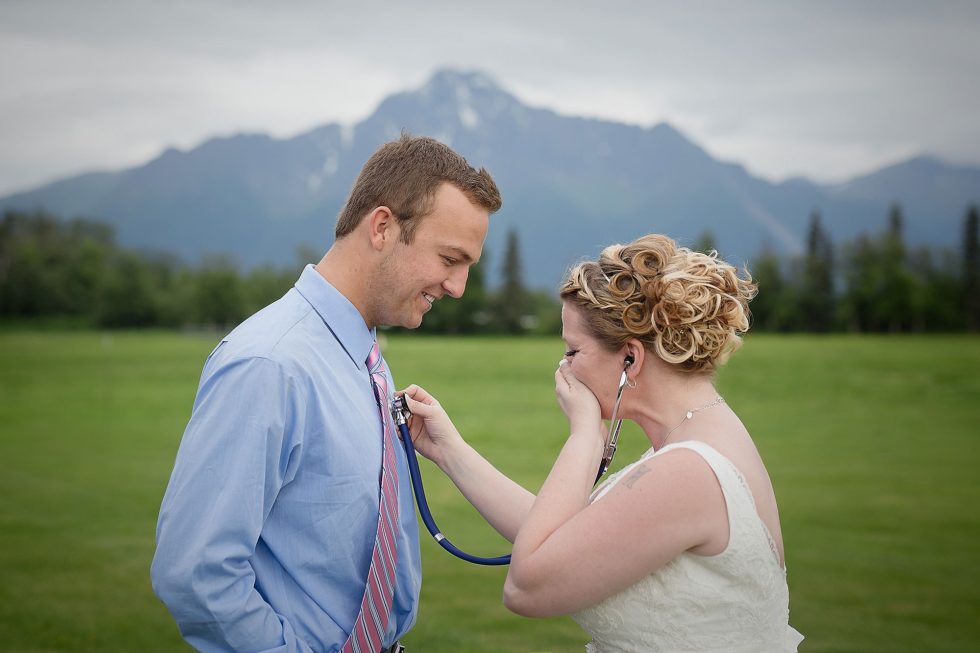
[690,308]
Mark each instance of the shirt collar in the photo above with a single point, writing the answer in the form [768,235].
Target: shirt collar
[337,312]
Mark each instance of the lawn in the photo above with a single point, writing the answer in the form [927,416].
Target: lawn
[871,442]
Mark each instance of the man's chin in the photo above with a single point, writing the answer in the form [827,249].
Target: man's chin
[414,319]
[422,315]
[413,322]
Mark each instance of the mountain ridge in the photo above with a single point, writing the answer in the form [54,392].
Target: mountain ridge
[570,186]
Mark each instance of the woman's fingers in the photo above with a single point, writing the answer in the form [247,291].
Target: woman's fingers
[418,393]
[566,371]
[566,374]
[421,408]
[420,402]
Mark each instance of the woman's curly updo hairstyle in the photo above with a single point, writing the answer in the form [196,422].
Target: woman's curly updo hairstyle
[690,308]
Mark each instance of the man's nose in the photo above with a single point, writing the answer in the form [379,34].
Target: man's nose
[456,283]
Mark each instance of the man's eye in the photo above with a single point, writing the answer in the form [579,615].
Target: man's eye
[449,260]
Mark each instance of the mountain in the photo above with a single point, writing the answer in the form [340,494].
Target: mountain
[570,186]
[933,196]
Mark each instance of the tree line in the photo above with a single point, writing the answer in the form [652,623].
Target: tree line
[874,283]
[73,273]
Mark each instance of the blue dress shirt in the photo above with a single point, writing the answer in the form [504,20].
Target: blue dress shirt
[268,524]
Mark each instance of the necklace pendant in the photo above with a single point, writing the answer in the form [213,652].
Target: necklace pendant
[690,414]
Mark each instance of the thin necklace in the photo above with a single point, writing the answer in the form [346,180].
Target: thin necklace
[689,415]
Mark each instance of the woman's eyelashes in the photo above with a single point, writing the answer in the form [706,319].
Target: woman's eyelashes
[570,353]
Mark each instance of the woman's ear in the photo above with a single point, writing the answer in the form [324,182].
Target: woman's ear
[634,357]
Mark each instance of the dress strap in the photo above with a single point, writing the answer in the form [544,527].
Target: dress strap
[732,482]
[744,523]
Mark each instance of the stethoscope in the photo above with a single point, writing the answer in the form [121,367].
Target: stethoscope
[615,424]
[400,413]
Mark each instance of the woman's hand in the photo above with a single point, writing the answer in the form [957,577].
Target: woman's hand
[433,433]
[576,400]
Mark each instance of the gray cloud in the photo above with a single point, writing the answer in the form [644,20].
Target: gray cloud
[825,90]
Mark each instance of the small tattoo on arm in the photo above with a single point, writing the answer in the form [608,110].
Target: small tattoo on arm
[638,473]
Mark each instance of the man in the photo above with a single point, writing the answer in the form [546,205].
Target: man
[288,523]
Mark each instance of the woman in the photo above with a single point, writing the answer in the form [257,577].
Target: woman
[682,549]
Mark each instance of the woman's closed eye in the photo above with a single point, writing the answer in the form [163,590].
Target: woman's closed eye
[570,353]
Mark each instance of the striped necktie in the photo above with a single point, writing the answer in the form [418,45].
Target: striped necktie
[372,621]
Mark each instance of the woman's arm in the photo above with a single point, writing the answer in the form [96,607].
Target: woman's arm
[566,492]
[570,554]
[501,501]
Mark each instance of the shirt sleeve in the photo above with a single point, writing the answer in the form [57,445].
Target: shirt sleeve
[240,447]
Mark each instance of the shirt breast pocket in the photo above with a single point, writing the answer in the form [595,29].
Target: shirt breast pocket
[337,513]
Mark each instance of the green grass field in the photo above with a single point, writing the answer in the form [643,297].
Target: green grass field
[871,442]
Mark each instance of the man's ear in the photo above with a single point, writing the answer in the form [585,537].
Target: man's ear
[382,227]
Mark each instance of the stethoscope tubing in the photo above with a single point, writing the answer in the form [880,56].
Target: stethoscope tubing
[430,523]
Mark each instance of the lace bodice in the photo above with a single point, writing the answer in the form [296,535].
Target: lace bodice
[733,602]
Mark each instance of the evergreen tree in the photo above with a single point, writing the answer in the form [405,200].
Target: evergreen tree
[893,302]
[935,300]
[971,270]
[769,308]
[128,298]
[472,313]
[546,311]
[218,296]
[512,298]
[469,313]
[49,267]
[817,291]
[706,242]
[861,274]
[265,284]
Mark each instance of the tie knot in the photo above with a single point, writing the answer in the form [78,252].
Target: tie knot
[374,358]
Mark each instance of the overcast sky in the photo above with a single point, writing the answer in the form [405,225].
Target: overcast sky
[820,89]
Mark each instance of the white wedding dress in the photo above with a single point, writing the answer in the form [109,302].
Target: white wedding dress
[733,602]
